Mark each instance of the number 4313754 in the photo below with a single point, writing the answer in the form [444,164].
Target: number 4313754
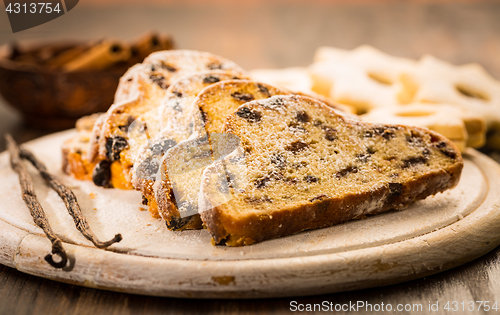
[470,306]
[32,8]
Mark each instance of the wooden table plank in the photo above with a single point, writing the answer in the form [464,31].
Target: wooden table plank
[25,294]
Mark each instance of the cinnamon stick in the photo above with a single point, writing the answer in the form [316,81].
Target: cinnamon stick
[99,57]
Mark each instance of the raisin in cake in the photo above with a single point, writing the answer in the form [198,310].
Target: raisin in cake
[140,91]
[180,118]
[308,167]
[177,200]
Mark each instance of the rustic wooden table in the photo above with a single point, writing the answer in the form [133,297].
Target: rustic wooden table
[258,34]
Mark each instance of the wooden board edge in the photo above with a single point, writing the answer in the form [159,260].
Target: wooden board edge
[458,243]
[10,239]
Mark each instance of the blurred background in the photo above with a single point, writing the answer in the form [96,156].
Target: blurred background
[280,33]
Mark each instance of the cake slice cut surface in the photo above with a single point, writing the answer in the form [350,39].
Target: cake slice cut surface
[176,120]
[307,167]
[141,90]
[177,196]
[75,149]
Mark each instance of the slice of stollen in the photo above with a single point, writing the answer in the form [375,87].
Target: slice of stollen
[177,201]
[176,120]
[140,91]
[74,150]
[308,167]
[177,190]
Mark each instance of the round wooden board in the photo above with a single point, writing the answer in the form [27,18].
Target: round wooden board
[436,234]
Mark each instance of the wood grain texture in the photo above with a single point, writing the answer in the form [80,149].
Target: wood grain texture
[271,35]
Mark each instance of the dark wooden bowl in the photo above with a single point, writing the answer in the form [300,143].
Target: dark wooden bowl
[55,99]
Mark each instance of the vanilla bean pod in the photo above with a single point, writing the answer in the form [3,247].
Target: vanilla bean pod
[35,208]
[69,199]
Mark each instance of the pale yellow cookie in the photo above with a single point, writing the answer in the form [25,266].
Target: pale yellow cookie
[293,79]
[379,66]
[365,78]
[296,80]
[326,53]
[476,128]
[468,87]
